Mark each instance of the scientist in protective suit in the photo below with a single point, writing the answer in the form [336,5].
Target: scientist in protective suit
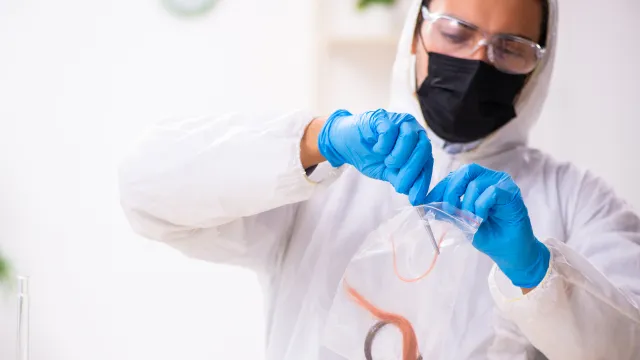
[557,272]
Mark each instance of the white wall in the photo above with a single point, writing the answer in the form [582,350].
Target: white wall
[356,51]
[79,79]
[592,116]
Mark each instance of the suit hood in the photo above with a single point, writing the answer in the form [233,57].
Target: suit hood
[528,105]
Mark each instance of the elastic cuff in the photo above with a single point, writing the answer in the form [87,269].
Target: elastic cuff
[504,292]
[324,173]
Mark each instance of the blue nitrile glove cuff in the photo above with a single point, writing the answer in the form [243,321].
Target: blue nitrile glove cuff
[533,275]
[324,140]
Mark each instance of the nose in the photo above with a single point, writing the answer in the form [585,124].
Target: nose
[481,52]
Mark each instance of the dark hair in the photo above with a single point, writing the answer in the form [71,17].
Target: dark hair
[543,25]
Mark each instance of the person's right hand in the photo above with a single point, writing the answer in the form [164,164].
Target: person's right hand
[382,145]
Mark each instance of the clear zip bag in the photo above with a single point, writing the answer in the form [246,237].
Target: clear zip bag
[398,292]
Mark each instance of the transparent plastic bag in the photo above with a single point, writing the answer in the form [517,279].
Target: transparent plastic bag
[398,293]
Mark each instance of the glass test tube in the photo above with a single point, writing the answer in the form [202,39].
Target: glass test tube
[23,318]
[432,239]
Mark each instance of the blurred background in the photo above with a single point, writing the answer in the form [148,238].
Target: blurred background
[80,79]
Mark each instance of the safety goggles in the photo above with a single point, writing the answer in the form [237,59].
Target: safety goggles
[454,37]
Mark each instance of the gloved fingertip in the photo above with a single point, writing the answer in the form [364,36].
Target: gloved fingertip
[390,161]
[482,212]
[430,198]
[434,196]
[383,126]
[381,147]
[402,188]
[484,204]
[386,141]
[390,175]
[467,207]
[413,200]
[452,200]
[407,181]
[376,147]
[418,195]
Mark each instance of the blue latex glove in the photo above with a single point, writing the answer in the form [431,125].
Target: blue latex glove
[382,145]
[505,234]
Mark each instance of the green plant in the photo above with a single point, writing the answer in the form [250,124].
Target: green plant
[4,270]
[363,4]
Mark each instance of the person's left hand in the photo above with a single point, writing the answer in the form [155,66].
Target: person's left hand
[505,234]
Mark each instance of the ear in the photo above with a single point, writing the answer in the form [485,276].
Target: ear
[414,44]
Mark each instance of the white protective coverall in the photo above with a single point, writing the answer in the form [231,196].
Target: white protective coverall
[232,190]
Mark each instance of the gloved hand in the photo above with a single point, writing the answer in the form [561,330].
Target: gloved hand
[505,234]
[382,145]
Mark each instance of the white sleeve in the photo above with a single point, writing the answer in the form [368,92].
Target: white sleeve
[587,305]
[220,188]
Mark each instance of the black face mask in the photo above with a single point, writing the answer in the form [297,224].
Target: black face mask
[466,100]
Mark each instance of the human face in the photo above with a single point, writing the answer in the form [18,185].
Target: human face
[521,18]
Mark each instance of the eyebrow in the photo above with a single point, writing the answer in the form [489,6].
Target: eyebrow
[521,36]
[474,26]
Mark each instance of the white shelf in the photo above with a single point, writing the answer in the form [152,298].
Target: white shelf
[366,40]
[355,51]
[342,19]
